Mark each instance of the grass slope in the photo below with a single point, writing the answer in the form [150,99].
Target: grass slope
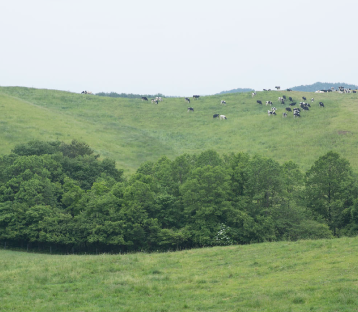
[285,276]
[131,131]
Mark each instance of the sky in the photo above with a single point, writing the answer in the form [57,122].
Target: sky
[177,48]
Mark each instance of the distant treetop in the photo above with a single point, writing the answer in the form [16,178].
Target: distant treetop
[323,86]
[238,90]
[128,95]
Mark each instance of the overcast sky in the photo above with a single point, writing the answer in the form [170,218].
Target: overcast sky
[176,47]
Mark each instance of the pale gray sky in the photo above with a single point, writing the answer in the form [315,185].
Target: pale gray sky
[176,47]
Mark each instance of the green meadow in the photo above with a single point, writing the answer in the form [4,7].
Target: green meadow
[131,131]
[316,275]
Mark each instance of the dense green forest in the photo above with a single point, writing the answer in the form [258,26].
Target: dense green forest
[62,196]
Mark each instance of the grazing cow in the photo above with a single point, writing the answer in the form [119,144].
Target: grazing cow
[289,109]
[284,115]
[268,102]
[196,96]
[190,109]
[144,98]
[187,100]
[222,117]
[278,88]
[292,104]
[86,92]
[216,115]
[296,114]
[290,99]
[271,112]
[354,91]
[222,102]
[284,97]
[253,94]
[312,100]
[321,104]
[259,102]
[152,100]
[304,98]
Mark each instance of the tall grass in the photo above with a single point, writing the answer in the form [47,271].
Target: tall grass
[285,276]
[132,131]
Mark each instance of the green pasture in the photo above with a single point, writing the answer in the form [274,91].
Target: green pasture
[316,275]
[132,131]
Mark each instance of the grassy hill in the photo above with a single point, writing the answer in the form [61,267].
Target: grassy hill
[285,276]
[131,131]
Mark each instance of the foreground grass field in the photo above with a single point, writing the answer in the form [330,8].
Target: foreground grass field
[131,131]
[286,276]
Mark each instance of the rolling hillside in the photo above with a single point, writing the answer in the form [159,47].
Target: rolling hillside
[285,276]
[131,131]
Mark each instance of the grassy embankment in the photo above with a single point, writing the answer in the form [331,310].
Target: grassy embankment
[131,131]
[285,276]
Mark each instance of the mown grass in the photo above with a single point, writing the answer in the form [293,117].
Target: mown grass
[131,131]
[286,276]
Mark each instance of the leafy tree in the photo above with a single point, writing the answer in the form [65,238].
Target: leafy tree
[329,186]
[206,205]
[36,148]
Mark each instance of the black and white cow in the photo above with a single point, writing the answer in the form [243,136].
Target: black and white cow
[278,88]
[304,98]
[264,89]
[284,115]
[292,104]
[289,90]
[259,102]
[268,103]
[312,100]
[144,98]
[321,104]
[222,117]
[190,109]
[187,100]
[296,114]
[284,97]
[290,99]
[272,111]
[216,115]
[289,109]
[253,94]
[223,102]
[196,97]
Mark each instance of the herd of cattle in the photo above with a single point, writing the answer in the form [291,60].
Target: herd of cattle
[282,100]
[296,111]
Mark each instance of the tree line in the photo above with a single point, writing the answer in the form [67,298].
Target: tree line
[128,95]
[323,86]
[62,196]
